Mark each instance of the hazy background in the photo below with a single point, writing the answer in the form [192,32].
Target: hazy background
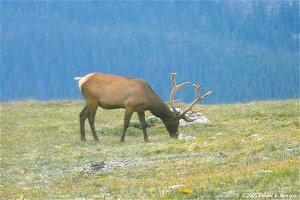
[241,50]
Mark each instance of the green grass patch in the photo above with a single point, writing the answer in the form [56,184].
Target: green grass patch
[247,150]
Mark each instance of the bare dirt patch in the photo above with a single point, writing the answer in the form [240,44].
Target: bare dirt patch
[102,167]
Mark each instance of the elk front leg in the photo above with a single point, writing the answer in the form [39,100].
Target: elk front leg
[144,125]
[128,114]
[82,117]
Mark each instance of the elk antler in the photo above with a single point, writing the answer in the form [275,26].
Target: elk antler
[174,90]
[190,107]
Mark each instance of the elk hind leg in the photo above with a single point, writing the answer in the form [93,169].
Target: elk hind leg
[91,118]
[82,117]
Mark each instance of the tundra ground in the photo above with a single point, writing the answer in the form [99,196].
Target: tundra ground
[249,150]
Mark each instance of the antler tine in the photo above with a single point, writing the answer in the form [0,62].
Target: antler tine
[199,110]
[195,111]
[175,88]
[174,82]
[197,89]
[199,98]
[176,101]
[173,75]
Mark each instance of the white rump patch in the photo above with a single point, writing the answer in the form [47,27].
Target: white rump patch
[82,80]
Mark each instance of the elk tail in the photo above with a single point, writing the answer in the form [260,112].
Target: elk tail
[79,84]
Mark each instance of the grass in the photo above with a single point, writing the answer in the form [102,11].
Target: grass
[247,150]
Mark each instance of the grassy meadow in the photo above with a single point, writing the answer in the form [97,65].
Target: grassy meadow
[249,150]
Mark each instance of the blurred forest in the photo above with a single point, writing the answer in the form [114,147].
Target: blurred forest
[241,50]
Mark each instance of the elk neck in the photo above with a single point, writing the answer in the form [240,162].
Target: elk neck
[161,110]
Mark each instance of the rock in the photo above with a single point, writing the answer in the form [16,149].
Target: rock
[221,154]
[201,119]
[97,167]
[174,186]
[189,137]
[291,149]
[263,171]
[256,137]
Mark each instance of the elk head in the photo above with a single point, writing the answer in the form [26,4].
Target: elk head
[173,123]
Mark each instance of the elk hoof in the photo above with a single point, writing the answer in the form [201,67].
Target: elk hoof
[147,140]
[122,142]
[83,139]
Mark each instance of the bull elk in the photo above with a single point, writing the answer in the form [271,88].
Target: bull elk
[134,95]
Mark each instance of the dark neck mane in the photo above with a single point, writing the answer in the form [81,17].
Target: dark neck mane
[160,109]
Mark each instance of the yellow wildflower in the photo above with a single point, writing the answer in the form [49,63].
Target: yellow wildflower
[186,191]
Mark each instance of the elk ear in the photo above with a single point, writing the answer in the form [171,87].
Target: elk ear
[177,112]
